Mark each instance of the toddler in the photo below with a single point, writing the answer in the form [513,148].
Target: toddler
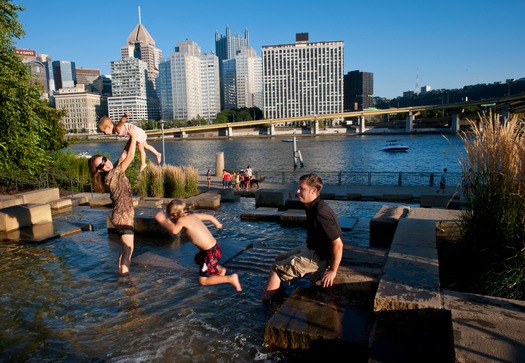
[106,126]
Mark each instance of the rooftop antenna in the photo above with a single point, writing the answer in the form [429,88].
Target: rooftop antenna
[139,16]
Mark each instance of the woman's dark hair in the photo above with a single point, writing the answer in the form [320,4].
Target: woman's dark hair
[96,178]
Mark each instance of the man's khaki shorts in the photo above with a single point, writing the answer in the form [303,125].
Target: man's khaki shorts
[303,262]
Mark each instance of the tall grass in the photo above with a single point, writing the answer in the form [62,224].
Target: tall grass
[492,245]
[167,182]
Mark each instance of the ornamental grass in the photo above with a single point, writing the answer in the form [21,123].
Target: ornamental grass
[490,256]
[167,181]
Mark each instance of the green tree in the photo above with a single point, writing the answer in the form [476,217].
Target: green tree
[29,128]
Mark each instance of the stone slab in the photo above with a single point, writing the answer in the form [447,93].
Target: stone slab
[486,329]
[41,195]
[44,231]
[10,200]
[266,214]
[384,223]
[411,272]
[153,259]
[24,215]
[271,198]
[60,205]
[293,217]
[435,200]
[347,222]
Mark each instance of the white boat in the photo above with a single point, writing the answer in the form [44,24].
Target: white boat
[287,140]
[83,154]
[394,146]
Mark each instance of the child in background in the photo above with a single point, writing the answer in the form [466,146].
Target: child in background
[106,126]
[210,272]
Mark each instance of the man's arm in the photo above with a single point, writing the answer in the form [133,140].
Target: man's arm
[335,260]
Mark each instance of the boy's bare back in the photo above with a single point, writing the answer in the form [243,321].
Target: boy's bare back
[197,231]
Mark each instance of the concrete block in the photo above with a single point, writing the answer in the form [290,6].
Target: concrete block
[60,204]
[271,198]
[293,217]
[151,202]
[267,214]
[207,201]
[384,223]
[24,215]
[398,197]
[411,273]
[41,196]
[10,200]
[436,200]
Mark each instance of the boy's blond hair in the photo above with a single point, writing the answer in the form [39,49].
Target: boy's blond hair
[104,122]
[176,208]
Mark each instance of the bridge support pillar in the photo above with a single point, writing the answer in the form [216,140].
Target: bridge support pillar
[454,123]
[409,122]
[362,125]
[230,131]
[505,114]
[316,127]
[183,134]
[271,129]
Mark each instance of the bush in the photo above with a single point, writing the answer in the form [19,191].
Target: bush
[492,245]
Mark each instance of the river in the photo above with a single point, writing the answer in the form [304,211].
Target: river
[62,300]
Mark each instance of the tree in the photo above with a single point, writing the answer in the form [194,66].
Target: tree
[29,128]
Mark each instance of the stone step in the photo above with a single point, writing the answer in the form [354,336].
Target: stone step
[23,215]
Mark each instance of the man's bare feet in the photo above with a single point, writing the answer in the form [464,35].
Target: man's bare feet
[234,280]
[159,158]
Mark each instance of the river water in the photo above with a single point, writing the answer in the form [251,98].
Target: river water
[62,300]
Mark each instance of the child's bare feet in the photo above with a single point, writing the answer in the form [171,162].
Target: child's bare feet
[159,158]
[143,166]
[234,280]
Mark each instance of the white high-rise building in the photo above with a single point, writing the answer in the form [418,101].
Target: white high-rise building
[303,79]
[128,82]
[194,86]
[242,80]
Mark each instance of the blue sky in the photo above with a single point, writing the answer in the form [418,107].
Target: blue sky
[444,43]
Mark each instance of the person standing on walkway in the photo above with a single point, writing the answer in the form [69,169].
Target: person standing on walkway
[208,177]
[321,255]
[443,181]
[109,177]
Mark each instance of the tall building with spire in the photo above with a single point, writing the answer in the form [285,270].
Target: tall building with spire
[140,46]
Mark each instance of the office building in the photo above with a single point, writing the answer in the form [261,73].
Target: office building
[87,76]
[358,90]
[83,109]
[303,79]
[128,84]
[242,76]
[64,74]
[189,84]
[226,47]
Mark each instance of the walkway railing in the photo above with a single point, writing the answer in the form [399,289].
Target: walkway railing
[369,178]
[45,180]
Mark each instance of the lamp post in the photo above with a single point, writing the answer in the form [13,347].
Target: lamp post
[162,122]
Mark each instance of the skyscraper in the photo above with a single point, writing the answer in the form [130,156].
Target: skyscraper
[359,88]
[226,47]
[140,45]
[194,85]
[129,89]
[303,79]
[64,74]
[242,76]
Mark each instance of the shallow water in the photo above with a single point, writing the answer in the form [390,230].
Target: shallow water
[63,301]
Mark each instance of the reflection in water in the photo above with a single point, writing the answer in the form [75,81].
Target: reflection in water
[63,300]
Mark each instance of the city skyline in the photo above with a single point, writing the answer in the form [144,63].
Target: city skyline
[445,46]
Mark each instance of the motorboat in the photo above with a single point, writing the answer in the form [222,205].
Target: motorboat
[394,146]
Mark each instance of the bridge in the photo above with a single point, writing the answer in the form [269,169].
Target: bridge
[505,106]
